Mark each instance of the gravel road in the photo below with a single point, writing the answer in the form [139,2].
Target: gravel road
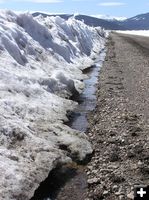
[119,126]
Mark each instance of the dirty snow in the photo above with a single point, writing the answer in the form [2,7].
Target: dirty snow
[41,62]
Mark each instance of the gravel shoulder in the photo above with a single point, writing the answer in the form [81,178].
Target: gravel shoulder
[119,126]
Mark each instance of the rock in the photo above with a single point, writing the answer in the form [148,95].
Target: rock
[88,173]
[115,186]
[130,195]
[105,192]
[114,157]
[95,171]
[122,197]
[117,179]
[117,193]
[93,181]
[90,167]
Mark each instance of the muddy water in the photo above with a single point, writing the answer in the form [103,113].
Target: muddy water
[70,182]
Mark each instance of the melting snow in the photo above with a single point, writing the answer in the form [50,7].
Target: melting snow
[41,62]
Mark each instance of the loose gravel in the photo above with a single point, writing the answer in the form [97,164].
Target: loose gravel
[119,126]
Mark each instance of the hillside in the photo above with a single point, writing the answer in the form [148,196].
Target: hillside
[88,20]
[139,22]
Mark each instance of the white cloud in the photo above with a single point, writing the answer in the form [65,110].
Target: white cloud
[112,4]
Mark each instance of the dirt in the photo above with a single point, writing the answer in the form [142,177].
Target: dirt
[119,126]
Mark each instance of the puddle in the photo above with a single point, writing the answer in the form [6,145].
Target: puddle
[87,100]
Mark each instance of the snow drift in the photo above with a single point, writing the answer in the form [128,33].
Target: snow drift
[41,62]
[139,32]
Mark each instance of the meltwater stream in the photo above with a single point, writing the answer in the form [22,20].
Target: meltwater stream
[87,100]
[70,182]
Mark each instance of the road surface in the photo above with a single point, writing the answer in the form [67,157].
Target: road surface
[119,126]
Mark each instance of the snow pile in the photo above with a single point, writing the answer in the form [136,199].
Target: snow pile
[143,32]
[40,68]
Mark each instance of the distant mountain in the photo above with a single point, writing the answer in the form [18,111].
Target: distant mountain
[110,18]
[64,16]
[139,22]
[91,21]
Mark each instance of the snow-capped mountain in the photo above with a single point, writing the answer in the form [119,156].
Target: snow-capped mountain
[88,20]
[139,22]
[110,18]
[41,62]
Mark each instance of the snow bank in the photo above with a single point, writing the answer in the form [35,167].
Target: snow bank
[41,62]
[141,32]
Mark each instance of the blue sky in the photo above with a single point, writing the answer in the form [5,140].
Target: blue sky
[126,8]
